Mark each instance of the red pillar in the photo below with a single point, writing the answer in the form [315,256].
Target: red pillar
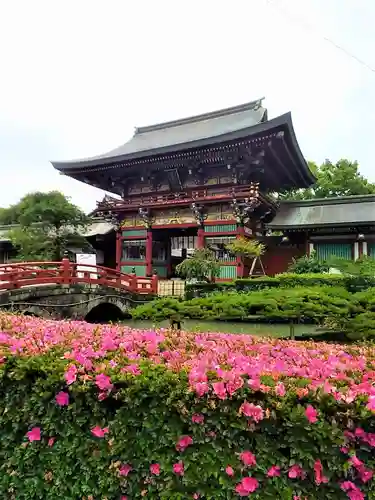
[240,263]
[149,252]
[200,242]
[118,250]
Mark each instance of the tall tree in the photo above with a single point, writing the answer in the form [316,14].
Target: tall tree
[48,224]
[334,179]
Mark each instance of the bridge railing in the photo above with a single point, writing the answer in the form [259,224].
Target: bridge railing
[23,274]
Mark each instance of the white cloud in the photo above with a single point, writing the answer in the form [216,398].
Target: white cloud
[77,77]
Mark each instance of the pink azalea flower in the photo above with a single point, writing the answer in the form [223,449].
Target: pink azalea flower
[155,469]
[280,389]
[125,470]
[353,492]
[311,414]
[178,468]
[371,403]
[62,398]
[318,471]
[246,486]
[183,443]
[229,470]
[248,458]
[34,434]
[99,432]
[197,418]
[296,471]
[254,411]
[201,388]
[133,369]
[71,374]
[51,442]
[219,390]
[273,471]
[103,382]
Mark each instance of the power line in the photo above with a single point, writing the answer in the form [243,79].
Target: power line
[325,38]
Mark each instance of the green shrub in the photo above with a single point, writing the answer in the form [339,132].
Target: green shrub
[359,323]
[310,305]
[309,264]
[291,280]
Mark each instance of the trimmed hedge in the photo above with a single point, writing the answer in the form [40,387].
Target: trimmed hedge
[100,413]
[287,280]
[310,305]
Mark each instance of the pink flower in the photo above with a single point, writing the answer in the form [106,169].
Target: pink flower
[133,369]
[178,468]
[197,418]
[34,434]
[219,390]
[353,492]
[51,442]
[99,432]
[280,389]
[103,382]
[318,471]
[248,458]
[246,486]
[62,398]
[155,469]
[371,403]
[273,471]
[311,414]
[183,443]
[71,374]
[254,411]
[201,388]
[125,470]
[229,470]
[296,471]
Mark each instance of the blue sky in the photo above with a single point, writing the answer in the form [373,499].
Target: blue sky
[78,76]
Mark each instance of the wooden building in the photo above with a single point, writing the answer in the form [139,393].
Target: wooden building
[193,182]
[340,227]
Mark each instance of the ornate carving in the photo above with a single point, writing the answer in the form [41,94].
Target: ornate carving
[242,210]
[145,216]
[198,211]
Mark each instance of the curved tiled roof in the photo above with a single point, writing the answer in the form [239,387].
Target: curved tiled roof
[185,131]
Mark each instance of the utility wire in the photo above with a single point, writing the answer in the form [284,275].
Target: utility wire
[276,5]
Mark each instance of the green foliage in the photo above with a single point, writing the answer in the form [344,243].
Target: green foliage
[308,264]
[310,305]
[335,179]
[201,266]
[246,247]
[365,266]
[48,224]
[285,280]
[146,415]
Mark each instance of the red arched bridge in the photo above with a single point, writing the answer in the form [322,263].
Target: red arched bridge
[25,274]
[69,290]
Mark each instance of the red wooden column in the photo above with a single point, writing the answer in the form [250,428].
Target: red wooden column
[149,252]
[200,242]
[240,263]
[118,249]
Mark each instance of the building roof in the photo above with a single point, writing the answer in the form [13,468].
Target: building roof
[343,211]
[179,134]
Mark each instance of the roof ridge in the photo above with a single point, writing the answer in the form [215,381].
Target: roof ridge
[253,105]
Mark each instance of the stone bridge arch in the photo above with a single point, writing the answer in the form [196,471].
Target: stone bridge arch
[80,302]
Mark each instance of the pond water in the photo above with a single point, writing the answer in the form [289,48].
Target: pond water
[266,330]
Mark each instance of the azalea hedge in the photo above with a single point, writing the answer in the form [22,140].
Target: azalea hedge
[103,412]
